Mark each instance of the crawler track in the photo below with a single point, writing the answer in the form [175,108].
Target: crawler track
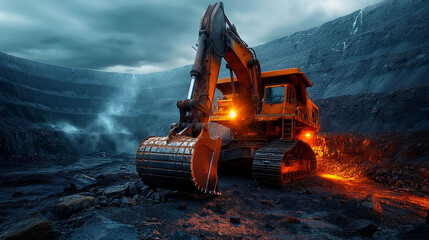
[283,161]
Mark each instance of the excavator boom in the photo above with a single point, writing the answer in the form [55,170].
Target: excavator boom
[187,158]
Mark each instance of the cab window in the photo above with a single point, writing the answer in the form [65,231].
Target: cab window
[274,94]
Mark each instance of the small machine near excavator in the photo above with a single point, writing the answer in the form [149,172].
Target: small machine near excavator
[266,113]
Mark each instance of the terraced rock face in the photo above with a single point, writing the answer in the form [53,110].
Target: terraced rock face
[80,109]
[382,48]
[37,94]
[398,111]
[368,69]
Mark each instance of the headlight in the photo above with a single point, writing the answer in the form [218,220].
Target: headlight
[232,114]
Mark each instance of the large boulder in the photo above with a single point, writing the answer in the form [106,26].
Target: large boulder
[116,191]
[72,204]
[371,203]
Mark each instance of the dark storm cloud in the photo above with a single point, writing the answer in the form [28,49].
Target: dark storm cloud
[144,36]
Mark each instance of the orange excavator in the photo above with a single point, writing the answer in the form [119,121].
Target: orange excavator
[265,112]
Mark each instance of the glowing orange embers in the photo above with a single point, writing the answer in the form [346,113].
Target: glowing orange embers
[308,135]
[359,188]
[336,177]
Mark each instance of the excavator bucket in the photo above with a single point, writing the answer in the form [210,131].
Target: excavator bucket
[180,162]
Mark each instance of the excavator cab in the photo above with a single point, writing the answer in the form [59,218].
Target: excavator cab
[278,99]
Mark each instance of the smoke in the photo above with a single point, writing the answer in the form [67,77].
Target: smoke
[65,127]
[119,105]
[107,132]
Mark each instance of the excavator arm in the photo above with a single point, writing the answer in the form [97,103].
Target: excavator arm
[187,158]
[219,39]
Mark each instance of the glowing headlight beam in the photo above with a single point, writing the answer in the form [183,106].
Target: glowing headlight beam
[232,114]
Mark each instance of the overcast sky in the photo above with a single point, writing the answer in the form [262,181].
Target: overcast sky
[139,36]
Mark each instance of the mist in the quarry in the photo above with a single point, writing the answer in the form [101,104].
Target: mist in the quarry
[107,127]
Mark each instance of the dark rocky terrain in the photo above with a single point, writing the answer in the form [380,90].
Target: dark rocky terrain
[67,139]
[403,110]
[102,198]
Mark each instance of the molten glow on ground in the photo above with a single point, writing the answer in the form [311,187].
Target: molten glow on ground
[358,188]
[336,177]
